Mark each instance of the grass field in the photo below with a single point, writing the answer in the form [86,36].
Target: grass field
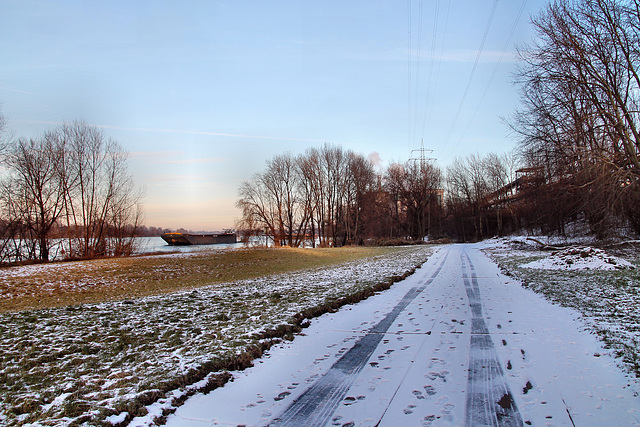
[69,283]
[102,340]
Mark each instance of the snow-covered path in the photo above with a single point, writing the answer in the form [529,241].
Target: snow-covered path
[457,343]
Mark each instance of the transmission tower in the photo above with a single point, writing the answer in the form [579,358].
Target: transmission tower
[422,157]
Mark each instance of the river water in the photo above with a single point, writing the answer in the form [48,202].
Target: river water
[156,244]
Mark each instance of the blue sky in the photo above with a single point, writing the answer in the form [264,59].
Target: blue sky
[203,93]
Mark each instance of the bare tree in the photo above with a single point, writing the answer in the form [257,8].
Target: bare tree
[281,178]
[271,200]
[256,204]
[73,181]
[311,192]
[32,195]
[326,172]
[321,192]
[480,195]
[359,190]
[3,131]
[581,98]
[333,170]
[414,189]
[98,188]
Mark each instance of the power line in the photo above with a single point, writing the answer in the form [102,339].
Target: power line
[434,37]
[409,73]
[444,36]
[418,62]
[473,70]
[493,74]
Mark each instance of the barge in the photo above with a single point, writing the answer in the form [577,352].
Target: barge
[183,239]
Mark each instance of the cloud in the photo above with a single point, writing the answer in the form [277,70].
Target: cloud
[174,157]
[155,154]
[195,161]
[10,89]
[185,132]
[208,133]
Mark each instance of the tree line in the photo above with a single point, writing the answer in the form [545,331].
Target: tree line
[578,127]
[300,200]
[68,190]
[333,197]
[577,130]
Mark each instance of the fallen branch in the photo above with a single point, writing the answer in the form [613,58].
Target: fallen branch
[544,246]
[626,242]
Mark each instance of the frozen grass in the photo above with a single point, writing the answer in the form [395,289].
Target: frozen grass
[91,363]
[609,300]
[68,283]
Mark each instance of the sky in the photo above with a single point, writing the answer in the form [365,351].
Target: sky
[203,93]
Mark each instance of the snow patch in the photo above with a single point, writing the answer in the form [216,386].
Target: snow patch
[117,419]
[580,258]
[58,401]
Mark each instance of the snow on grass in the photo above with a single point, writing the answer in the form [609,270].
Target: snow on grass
[603,288]
[98,363]
[580,258]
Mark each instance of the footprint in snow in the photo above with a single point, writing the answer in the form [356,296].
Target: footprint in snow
[312,378]
[430,390]
[436,361]
[426,421]
[282,396]
[409,409]
[350,400]
[438,375]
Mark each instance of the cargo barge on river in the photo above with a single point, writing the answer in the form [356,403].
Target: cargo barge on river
[184,239]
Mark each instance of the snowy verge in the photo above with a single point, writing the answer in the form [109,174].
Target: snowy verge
[580,258]
[605,290]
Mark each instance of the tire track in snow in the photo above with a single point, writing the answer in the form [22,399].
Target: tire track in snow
[489,399]
[317,404]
